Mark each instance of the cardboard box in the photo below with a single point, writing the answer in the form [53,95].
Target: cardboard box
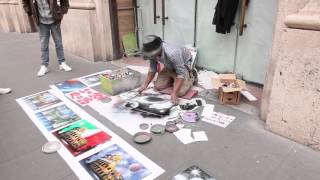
[229,88]
[120,80]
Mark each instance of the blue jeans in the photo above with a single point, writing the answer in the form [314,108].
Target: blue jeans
[44,32]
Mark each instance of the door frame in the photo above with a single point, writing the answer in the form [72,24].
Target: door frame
[113,9]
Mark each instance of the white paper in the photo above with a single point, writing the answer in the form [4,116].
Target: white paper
[219,119]
[205,78]
[207,110]
[249,96]
[200,136]
[184,135]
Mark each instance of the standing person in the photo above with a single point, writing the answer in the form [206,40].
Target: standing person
[5,91]
[177,66]
[48,15]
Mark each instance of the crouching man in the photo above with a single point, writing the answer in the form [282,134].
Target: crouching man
[176,61]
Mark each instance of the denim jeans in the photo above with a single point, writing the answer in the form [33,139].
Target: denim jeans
[44,32]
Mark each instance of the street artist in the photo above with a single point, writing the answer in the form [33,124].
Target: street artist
[176,62]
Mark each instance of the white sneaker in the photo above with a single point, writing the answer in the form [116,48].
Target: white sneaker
[5,90]
[64,66]
[43,70]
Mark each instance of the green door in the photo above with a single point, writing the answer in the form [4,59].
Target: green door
[215,51]
[190,22]
[149,18]
[173,20]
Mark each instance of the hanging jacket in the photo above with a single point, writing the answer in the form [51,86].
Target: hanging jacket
[224,15]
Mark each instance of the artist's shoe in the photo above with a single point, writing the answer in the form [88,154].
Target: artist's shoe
[64,66]
[5,90]
[43,71]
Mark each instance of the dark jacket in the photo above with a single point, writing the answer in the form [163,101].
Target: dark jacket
[224,15]
[31,8]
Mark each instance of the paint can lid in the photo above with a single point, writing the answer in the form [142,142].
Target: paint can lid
[158,129]
[144,126]
[142,137]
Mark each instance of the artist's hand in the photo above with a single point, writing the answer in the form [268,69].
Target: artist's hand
[174,98]
[142,88]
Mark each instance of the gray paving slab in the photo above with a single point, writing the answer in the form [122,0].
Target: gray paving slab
[18,135]
[70,177]
[244,150]
[35,165]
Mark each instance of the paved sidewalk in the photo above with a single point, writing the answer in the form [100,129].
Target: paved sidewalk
[242,151]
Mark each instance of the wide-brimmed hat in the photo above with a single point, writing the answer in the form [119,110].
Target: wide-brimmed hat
[152,45]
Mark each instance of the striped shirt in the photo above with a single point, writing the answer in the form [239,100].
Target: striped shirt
[45,14]
[174,58]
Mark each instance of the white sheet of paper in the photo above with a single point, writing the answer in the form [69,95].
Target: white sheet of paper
[249,96]
[184,135]
[200,136]
[205,78]
[207,110]
[219,119]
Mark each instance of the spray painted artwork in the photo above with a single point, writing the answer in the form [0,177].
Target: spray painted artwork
[70,86]
[81,136]
[85,96]
[57,117]
[193,173]
[116,164]
[93,79]
[41,100]
[151,105]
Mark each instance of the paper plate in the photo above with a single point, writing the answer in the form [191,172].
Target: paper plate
[142,137]
[51,147]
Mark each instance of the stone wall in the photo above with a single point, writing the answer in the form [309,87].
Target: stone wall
[13,18]
[86,30]
[291,98]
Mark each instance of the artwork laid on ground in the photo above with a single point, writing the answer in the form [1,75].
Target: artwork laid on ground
[95,152]
[149,109]
[193,173]
[93,79]
[57,117]
[41,100]
[150,105]
[85,96]
[84,139]
[115,163]
[81,136]
[70,86]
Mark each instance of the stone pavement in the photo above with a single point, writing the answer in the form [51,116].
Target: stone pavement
[244,150]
